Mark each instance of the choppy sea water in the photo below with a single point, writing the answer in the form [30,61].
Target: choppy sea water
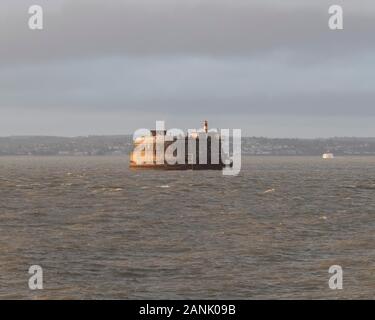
[100,230]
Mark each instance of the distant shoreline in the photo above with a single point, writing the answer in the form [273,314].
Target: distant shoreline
[130,135]
[123,145]
[127,156]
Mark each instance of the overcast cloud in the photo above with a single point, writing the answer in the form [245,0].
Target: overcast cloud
[271,68]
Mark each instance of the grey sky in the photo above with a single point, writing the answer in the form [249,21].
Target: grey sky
[271,68]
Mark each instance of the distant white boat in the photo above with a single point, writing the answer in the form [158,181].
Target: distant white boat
[327,155]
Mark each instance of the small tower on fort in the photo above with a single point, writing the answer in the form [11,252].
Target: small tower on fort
[205,126]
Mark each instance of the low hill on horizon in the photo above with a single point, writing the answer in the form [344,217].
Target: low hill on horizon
[122,144]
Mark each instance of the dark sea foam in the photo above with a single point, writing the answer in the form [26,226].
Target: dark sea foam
[100,230]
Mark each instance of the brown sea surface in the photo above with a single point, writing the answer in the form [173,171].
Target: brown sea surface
[100,230]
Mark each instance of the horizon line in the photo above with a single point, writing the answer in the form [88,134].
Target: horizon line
[127,134]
